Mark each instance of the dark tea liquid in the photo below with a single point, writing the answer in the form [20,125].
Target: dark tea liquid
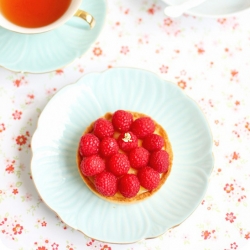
[33,13]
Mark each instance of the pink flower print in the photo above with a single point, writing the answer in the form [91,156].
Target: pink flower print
[106,247]
[17,115]
[164,69]
[247,126]
[124,50]
[235,191]
[247,236]
[55,246]
[50,91]
[42,248]
[20,81]
[30,96]
[17,229]
[27,197]
[80,68]
[233,246]
[206,235]
[216,122]
[235,156]
[168,21]
[221,20]
[90,243]
[21,140]
[59,72]
[213,235]
[97,51]
[29,99]
[10,169]
[15,191]
[182,84]
[228,188]
[44,224]
[230,217]
[138,21]
[126,11]
[2,127]
[2,223]
[17,82]
[200,50]
[151,11]
[143,39]
[234,73]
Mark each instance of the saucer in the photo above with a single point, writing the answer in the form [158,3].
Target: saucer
[55,143]
[216,8]
[45,52]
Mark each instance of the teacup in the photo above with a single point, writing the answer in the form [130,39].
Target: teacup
[34,16]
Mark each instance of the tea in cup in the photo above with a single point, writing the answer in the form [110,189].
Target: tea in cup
[37,16]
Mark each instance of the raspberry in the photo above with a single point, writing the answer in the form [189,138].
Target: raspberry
[108,146]
[127,141]
[122,120]
[142,127]
[103,128]
[129,185]
[89,145]
[159,160]
[92,165]
[138,157]
[149,178]
[119,164]
[106,184]
[153,142]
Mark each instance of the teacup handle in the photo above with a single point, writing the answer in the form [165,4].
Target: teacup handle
[87,17]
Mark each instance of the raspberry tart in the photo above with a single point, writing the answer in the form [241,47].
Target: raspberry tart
[124,157]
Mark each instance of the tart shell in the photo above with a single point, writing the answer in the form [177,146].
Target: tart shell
[143,193]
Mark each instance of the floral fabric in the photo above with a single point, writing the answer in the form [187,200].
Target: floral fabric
[209,58]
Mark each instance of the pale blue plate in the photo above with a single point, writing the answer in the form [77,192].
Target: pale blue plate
[55,143]
[51,50]
[216,8]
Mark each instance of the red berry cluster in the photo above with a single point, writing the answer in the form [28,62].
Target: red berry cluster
[108,160]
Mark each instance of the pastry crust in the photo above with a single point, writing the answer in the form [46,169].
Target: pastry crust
[143,193]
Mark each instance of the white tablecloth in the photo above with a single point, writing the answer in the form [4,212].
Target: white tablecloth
[208,58]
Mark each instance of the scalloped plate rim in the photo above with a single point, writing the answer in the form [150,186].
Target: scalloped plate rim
[96,74]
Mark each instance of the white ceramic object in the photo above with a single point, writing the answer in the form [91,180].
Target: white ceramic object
[179,9]
[73,108]
[215,8]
